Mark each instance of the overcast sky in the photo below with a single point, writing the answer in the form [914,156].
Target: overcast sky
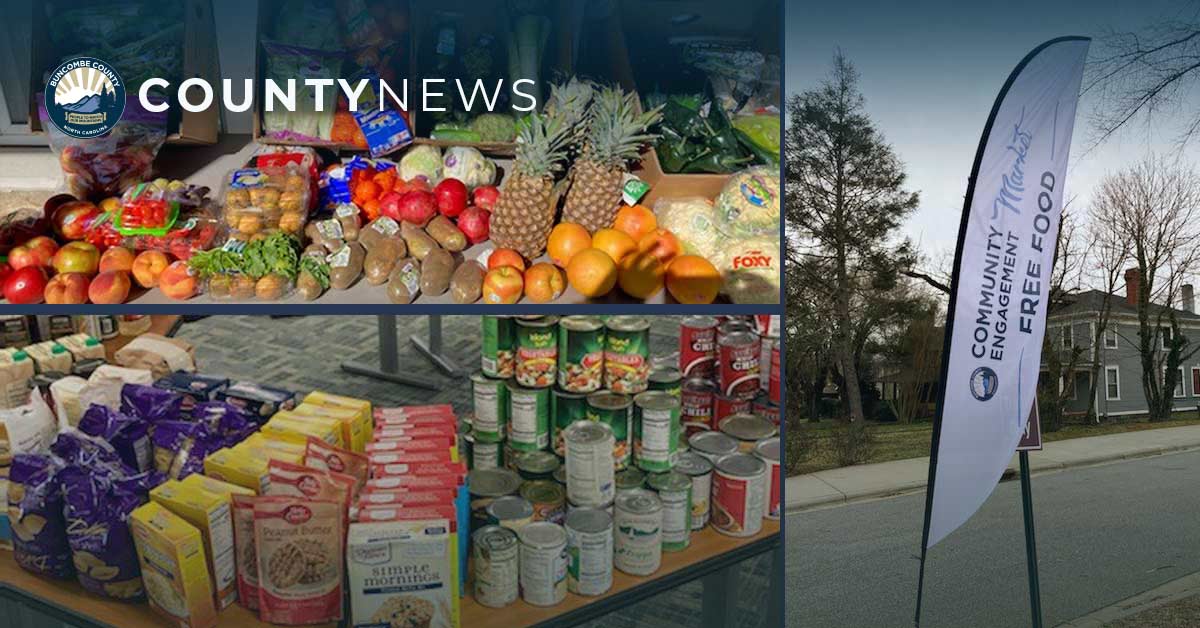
[930,71]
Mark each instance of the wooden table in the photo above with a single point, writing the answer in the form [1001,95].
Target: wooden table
[24,596]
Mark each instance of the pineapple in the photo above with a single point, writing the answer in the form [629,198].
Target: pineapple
[571,100]
[615,130]
[524,214]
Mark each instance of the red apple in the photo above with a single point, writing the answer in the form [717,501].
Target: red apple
[71,220]
[503,285]
[486,196]
[77,257]
[37,251]
[5,271]
[110,287]
[67,289]
[451,197]
[25,285]
[475,223]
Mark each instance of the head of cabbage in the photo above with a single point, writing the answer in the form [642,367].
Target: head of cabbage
[469,166]
[422,160]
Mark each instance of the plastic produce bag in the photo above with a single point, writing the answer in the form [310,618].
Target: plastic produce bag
[305,124]
[35,511]
[691,220]
[750,269]
[748,205]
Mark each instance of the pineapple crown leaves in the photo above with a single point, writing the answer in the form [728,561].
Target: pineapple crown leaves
[572,99]
[616,127]
[542,145]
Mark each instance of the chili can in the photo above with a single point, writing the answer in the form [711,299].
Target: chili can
[490,399]
[499,340]
[590,477]
[735,325]
[565,408]
[739,499]
[629,479]
[589,551]
[698,346]
[627,354]
[536,465]
[773,385]
[637,549]
[762,407]
[548,498]
[667,379]
[580,353]
[713,445]
[511,511]
[747,430]
[768,451]
[543,563]
[738,365]
[486,485]
[655,430]
[675,492]
[699,469]
[767,324]
[612,409]
[726,406]
[536,352]
[482,453]
[768,345]
[494,549]
[528,417]
[696,404]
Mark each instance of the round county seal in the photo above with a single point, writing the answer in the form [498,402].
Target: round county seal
[984,383]
[85,97]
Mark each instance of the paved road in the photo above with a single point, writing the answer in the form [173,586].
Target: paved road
[1104,533]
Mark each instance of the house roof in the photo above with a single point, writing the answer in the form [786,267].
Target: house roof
[1090,301]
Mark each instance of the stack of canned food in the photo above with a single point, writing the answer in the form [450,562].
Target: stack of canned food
[581,461]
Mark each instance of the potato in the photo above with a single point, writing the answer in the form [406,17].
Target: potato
[466,285]
[308,286]
[446,234]
[378,229]
[419,243]
[243,287]
[346,265]
[405,281]
[327,233]
[436,269]
[347,216]
[380,260]
[315,248]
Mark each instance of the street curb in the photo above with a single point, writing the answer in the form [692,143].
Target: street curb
[1175,590]
[1009,474]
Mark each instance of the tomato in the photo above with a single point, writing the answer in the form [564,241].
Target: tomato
[25,285]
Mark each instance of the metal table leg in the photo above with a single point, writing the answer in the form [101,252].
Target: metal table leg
[432,349]
[389,359]
[720,598]
[775,595]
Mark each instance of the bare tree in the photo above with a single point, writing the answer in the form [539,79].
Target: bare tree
[1108,253]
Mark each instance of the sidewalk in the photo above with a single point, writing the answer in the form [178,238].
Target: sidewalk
[869,481]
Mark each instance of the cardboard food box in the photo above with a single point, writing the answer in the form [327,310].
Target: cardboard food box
[236,467]
[289,426]
[211,514]
[199,50]
[158,354]
[355,430]
[380,558]
[174,568]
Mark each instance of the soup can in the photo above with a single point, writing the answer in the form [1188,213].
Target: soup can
[627,354]
[528,417]
[767,346]
[511,511]
[536,465]
[724,406]
[565,408]
[490,398]
[486,485]
[613,409]
[768,451]
[655,430]
[738,495]
[629,479]
[548,498]
[713,445]
[773,384]
[580,354]
[537,352]
[608,508]
[698,346]
[543,563]
[589,465]
[499,341]
[699,469]
[738,365]
[667,379]
[735,325]
[560,475]
[747,430]
[675,492]
[483,454]
[762,407]
[494,549]
[638,532]
[696,404]
[589,551]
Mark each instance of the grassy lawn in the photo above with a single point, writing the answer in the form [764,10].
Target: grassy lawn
[891,441]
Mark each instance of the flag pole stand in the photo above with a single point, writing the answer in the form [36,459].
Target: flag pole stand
[1035,593]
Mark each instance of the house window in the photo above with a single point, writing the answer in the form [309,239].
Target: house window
[15,60]
[1068,337]
[1165,337]
[1112,383]
[1178,391]
[1196,381]
[1110,339]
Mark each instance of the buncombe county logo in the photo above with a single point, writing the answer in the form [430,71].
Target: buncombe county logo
[984,383]
[85,97]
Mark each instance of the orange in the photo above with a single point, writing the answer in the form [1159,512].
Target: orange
[592,273]
[635,221]
[693,279]
[641,275]
[662,244]
[617,244]
[567,239]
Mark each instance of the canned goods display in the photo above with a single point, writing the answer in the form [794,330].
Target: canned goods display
[675,492]
[608,508]
[528,417]
[738,495]
[490,399]
[637,522]
[486,485]
[655,430]
[627,354]
[496,358]
[543,563]
[548,498]
[494,549]
[580,353]
[565,408]
[738,364]
[536,465]
[698,346]
[747,429]
[589,551]
[724,406]
[483,454]
[511,511]
[590,480]
[713,445]
[667,379]
[768,451]
[629,479]
[536,351]
[696,404]
[773,384]
[612,409]
[699,469]
[735,325]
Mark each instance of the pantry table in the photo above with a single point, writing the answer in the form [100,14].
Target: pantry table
[29,601]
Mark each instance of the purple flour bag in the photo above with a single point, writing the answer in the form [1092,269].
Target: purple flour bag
[127,433]
[35,510]
[150,403]
[225,421]
[75,447]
